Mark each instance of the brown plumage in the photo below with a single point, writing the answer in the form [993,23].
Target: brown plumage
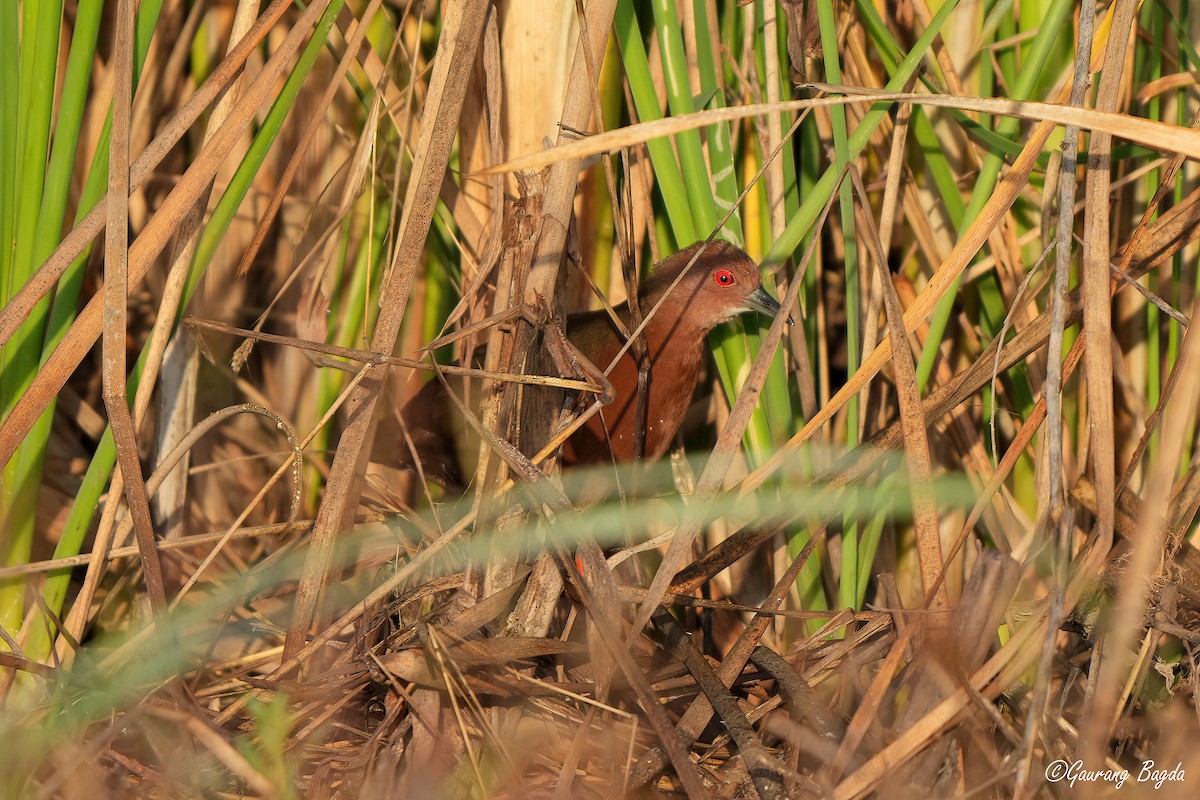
[722,284]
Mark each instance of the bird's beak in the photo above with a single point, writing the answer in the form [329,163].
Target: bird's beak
[761,300]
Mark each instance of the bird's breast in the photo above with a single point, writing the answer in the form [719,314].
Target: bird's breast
[675,359]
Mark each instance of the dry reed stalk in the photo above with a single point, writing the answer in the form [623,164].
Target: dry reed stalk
[1097,307]
[462,28]
[116,289]
[912,423]
[1160,136]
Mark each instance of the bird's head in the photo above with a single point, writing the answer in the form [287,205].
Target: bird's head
[722,283]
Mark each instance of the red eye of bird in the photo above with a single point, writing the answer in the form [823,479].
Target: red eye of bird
[724,277]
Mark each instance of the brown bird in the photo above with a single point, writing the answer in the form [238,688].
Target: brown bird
[722,284]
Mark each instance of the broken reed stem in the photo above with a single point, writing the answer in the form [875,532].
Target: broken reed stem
[116,282]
